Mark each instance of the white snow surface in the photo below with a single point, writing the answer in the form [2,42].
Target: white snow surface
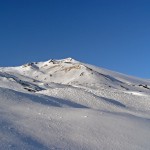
[68,105]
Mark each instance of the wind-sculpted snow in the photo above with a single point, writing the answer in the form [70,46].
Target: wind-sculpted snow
[69,105]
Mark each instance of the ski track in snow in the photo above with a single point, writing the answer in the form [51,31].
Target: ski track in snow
[69,105]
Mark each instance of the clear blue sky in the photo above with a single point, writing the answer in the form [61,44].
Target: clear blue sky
[114,34]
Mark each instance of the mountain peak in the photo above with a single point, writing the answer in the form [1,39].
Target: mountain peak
[65,60]
[69,59]
[57,95]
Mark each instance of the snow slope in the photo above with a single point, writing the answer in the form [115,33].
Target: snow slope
[66,104]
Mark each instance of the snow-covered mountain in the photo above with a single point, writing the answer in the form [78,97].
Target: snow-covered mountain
[66,104]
